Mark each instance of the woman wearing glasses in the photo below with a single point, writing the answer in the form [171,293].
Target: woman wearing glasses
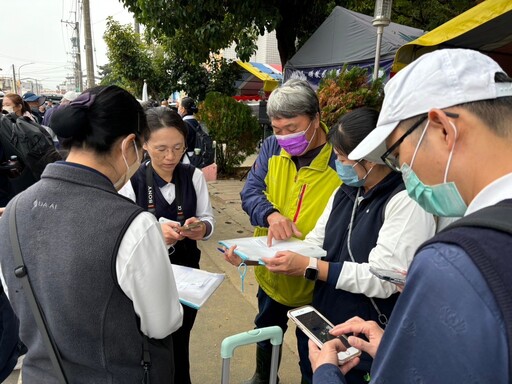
[369,220]
[177,195]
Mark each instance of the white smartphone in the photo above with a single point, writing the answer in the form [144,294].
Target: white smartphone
[317,328]
[388,275]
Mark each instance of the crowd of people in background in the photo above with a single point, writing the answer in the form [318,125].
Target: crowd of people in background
[423,186]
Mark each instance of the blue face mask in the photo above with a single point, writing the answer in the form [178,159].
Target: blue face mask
[348,175]
[442,199]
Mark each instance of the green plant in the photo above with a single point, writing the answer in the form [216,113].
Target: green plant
[231,123]
[350,89]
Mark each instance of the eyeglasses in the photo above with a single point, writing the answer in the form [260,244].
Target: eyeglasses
[162,151]
[389,158]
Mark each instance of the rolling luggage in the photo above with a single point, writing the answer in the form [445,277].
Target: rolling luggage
[229,344]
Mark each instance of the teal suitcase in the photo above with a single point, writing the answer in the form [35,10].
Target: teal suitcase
[230,343]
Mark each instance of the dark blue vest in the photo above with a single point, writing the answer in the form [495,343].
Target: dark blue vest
[486,236]
[185,251]
[336,304]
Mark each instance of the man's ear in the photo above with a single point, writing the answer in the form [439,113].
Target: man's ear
[443,127]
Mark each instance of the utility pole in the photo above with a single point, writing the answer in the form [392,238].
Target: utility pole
[78,59]
[14,80]
[88,44]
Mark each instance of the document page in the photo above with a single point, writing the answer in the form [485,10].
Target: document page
[254,248]
[195,286]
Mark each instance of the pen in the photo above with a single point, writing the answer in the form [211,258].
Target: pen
[220,250]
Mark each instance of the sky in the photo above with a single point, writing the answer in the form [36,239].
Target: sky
[32,31]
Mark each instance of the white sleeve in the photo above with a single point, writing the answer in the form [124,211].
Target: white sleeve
[204,210]
[145,275]
[127,191]
[317,235]
[406,226]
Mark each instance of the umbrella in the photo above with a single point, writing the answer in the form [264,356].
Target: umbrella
[145,92]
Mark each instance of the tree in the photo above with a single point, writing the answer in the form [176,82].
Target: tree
[201,27]
[231,123]
[134,59]
[422,14]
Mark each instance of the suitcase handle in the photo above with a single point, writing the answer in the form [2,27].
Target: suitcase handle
[229,344]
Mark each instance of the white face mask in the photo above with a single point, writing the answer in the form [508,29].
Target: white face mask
[130,169]
[8,109]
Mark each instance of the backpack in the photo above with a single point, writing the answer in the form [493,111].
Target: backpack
[10,345]
[205,143]
[30,142]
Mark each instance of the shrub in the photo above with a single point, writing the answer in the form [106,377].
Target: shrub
[351,89]
[232,123]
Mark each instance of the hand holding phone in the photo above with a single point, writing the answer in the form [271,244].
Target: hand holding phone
[393,276]
[317,328]
[189,226]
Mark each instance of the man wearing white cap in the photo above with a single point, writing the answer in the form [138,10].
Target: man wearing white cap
[446,124]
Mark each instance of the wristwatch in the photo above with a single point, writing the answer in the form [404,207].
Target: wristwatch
[311,272]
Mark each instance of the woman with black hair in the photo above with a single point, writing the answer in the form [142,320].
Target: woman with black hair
[177,195]
[97,263]
[369,220]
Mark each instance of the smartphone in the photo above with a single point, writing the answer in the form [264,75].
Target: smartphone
[388,275]
[317,328]
[193,225]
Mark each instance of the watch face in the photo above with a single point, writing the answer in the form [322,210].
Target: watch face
[311,274]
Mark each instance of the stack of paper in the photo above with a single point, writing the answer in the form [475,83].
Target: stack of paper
[194,285]
[254,248]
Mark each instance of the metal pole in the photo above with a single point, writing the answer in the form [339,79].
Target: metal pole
[19,76]
[380,30]
[78,59]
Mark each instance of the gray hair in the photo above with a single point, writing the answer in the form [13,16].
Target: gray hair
[294,98]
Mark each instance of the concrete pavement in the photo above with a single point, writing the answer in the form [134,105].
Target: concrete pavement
[228,311]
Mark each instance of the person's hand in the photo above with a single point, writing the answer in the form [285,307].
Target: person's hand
[231,257]
[287,262]
[197,230]
[329,355]
[356,325]
[280,228]
[171,232]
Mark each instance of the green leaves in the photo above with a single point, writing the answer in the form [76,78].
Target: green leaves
[232,123]
[350,89]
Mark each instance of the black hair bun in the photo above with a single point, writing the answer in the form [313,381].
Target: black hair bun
[72,120]
[189,104]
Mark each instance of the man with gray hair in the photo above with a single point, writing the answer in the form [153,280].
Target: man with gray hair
[446,124]
[285,193]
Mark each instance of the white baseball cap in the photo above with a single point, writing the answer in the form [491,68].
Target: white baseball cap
[70,95]
[439,79]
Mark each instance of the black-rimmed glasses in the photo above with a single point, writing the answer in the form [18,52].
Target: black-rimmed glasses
[389,158]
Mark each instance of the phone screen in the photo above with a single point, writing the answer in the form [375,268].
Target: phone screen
[317,326]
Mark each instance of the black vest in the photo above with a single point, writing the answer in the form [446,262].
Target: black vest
[186,251]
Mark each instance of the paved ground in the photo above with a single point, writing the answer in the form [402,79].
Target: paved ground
[229,311]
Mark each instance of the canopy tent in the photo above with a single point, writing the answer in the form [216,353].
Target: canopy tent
[346,37]
[485,28]
[257,77]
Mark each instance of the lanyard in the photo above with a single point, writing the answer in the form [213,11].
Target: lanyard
[151,195]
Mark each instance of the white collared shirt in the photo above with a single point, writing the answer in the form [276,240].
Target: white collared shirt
[499,190]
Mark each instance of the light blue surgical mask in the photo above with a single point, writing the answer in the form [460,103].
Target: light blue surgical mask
[348,175]
[442,199]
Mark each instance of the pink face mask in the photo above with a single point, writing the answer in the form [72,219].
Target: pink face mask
[295,143]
